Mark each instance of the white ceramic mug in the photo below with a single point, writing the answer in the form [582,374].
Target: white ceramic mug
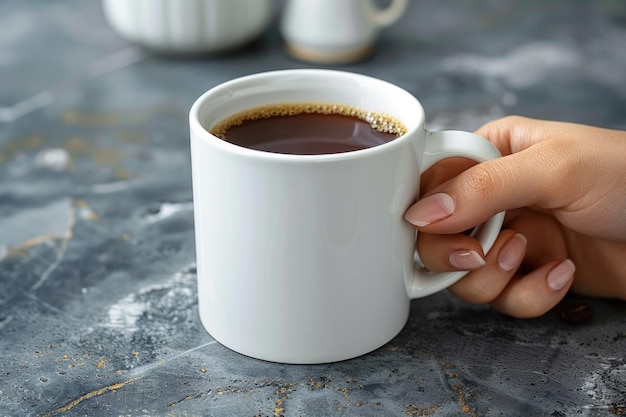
[335,31]
[307,258]
[189,26]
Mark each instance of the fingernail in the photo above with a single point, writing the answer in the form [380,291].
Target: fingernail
[561,275]
[466,260]
[431,209]
[512,252]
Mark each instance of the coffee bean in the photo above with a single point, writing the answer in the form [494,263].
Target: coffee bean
[577,313]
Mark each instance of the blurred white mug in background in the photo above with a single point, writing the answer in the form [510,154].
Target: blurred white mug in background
[335,31]
[189,26]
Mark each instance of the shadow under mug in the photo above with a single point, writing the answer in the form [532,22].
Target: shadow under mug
[307,258]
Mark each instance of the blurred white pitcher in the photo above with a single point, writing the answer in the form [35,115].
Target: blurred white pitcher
[335,31]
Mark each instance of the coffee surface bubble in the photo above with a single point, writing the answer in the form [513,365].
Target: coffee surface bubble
[379,121]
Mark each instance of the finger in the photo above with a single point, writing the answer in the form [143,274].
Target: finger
[449,252]
[484,285]
[537,292]
[546,241]
[542,159]
[443,171]
[587,163]
[533,177]
[513,133]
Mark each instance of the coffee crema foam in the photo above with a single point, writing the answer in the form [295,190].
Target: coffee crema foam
[380,122]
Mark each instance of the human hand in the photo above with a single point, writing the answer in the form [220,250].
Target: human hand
[563,186]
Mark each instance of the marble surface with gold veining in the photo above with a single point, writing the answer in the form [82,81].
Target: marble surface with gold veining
[98,309]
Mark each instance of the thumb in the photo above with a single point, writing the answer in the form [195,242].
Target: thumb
[535,176]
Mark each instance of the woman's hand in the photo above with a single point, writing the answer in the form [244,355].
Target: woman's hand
[563,186]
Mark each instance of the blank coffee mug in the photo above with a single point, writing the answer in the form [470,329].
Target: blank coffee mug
[307,258]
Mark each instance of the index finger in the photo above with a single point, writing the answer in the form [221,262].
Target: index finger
[513,134]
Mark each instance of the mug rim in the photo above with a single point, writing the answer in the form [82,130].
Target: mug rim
[199,132]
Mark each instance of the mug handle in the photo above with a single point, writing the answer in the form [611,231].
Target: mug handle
[442,145]
[388,15]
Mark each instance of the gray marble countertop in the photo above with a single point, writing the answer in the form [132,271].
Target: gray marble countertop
[98,310]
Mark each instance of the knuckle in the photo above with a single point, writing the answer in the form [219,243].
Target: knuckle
[481,180]
[513,121]
[529,305]
[475,291]
[505,126]
[482,295]
[563,163]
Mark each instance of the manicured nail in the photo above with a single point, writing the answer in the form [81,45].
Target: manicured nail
[466,260]
[431,209]
[561,275]
[512,252]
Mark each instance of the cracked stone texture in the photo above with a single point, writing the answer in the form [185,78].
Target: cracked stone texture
[98,310]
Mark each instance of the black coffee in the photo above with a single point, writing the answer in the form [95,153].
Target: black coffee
[308,129]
